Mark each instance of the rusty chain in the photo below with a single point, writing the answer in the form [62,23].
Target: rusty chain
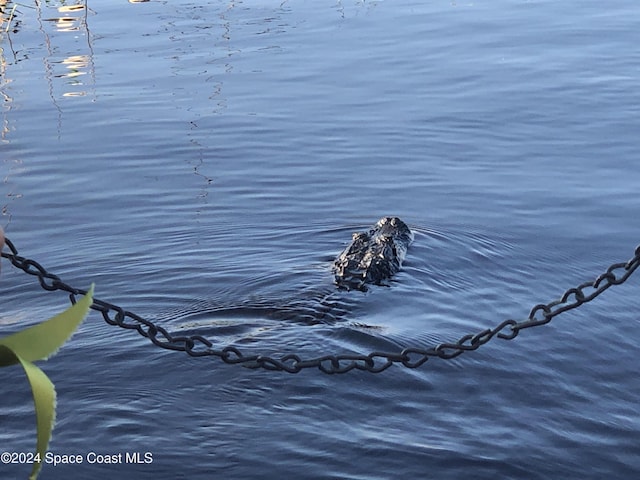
[374,362]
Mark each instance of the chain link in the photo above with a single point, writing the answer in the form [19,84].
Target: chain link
[374,362]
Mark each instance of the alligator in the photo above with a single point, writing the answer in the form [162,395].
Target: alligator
[373,257]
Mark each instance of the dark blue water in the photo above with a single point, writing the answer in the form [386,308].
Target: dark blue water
[220,154]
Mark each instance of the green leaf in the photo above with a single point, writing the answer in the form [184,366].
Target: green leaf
[36,343]
[43,340]
[44,398]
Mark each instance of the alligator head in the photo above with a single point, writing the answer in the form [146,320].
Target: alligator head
[373,257]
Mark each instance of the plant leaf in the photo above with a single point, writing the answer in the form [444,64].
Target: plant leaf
[43,340]
[44,398]
[36,343]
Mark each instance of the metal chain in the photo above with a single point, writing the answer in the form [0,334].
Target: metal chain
[374,362]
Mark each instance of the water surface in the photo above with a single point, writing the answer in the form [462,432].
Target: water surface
[222,153]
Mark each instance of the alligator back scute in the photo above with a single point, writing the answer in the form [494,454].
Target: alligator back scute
[373,257]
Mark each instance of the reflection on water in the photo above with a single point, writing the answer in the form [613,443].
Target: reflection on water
[75,66]
[70,56]
[68,22]
[9,23]
[6,98]
[8,17]
[67,59]
[66,38]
